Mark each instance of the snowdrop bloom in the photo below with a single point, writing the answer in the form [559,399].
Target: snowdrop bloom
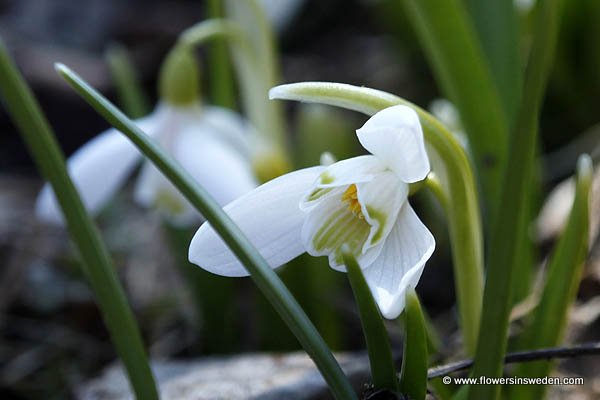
[361,202]
[209,142]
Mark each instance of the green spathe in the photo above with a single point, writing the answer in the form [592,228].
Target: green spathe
[179,82]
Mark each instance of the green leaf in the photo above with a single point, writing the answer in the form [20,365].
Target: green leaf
[97,265]
[516,182]
[564,274]
[261,273]
[453,172]
[378,342]
[413,377]
[458,62]
[497,27]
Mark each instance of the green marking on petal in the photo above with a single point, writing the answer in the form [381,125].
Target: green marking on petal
[382,218]
[326,178]
[165,200]
[342,227]
[318,193]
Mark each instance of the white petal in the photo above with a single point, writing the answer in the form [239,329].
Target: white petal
[343,173]
[401,262]
[330,224]
[97,169]
[381,200]
[395,136]
[271,218]
[215,165]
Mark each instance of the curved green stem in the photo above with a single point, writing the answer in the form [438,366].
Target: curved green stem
[458,62]
[450,164]
[261,273]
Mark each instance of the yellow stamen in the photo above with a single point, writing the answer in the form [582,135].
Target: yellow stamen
[350,196]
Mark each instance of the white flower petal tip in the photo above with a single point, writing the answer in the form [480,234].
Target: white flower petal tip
[400,263]
[327,159]
[394,135]
[47,209]
[270,218]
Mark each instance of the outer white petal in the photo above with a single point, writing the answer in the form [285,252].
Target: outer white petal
[270,217]
[97,169]
[401,262]
[395,136]
[221,170]
[330,224]
[343,173]
[381,200]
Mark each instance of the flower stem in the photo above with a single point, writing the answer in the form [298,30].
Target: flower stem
[97,265]
[255,76]
[222,91]
[261,273]
[452,168]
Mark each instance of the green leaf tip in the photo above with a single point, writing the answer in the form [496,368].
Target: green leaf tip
[413,376]
[378,345]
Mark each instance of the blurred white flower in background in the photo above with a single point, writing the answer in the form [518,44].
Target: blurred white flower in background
[210,143]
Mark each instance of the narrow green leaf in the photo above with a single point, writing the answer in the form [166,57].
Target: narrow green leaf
[460,67]
[222,91]
[261,273]
[131,96]
[97,265]
[497,26]
[413,377]
[564,274]
[455,177]
[517,178]
[378,342]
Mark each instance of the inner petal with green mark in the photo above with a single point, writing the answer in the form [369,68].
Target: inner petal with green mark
[381,200]
[337,220]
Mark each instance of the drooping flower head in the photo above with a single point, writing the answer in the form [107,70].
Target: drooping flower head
[361,202]
[211,143]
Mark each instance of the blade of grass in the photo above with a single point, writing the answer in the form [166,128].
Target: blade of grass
[458,63]
[383,371]
[97,265]
[564,274]
[264,277]
[453,171]
[413,377]
[503,246]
